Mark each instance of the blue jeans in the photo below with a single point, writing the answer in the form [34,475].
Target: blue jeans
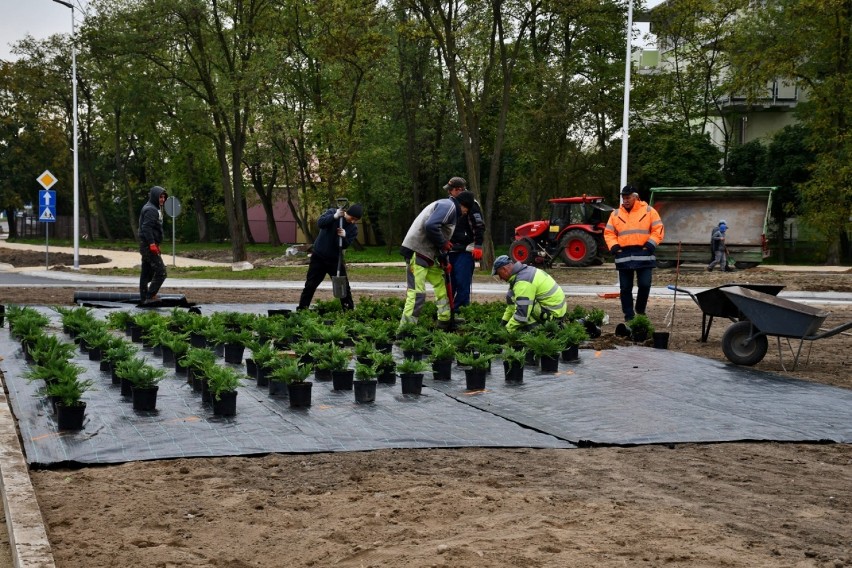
[643,284]
[461,278]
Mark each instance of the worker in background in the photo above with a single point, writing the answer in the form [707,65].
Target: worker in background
[533,297]
[153,272]
[720,249]
[632,234]
[337,230]
[426,249]
[467,245]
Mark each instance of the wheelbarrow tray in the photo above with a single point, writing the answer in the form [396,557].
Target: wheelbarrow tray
[776,316]
[714,302]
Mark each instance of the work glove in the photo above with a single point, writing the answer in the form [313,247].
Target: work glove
[650,246]
[615,249]
[341,232]
[446,247]
[339,213]
[443,259]
[154,248]
[477,253]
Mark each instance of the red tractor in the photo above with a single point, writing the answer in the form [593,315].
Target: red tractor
[574,234]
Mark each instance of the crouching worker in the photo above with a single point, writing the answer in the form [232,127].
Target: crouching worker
[533,297]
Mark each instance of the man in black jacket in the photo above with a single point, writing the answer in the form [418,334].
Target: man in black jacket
[337,231]
[150,236]
[467,245]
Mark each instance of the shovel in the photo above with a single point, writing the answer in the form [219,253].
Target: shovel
[340,284]
[448,284]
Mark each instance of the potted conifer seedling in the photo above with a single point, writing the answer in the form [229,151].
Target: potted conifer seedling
[476,367]
[365,383]
[513,364]
[222,382]
[411,375]
[385,367]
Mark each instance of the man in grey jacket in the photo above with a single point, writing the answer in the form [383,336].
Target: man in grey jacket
[150,236]
[425,247]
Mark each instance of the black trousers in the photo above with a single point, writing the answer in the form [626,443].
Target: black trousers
[153,274]
[318,269]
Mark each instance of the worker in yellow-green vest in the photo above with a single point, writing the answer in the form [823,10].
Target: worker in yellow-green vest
[533,297]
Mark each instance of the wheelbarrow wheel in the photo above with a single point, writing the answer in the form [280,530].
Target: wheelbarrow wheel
[740,347]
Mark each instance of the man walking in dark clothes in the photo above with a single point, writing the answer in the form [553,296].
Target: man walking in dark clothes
[334,225]
[150,237]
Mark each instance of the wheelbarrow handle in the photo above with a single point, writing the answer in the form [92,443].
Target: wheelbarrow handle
[676,289]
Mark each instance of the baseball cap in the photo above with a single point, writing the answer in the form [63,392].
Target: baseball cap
[628,190]
[455,182]
[500,262]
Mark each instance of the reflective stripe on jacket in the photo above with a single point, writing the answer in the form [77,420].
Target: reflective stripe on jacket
[637,232]
[531,288]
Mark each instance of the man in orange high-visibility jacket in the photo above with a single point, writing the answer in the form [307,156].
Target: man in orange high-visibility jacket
[632,234]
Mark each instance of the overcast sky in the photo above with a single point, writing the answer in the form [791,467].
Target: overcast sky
[42,18]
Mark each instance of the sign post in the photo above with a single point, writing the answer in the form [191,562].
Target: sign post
[46,210]
[172,208]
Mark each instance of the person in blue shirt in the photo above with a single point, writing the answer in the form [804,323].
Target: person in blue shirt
[338,230]
[720,251]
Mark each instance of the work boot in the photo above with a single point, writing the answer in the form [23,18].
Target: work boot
[445,325]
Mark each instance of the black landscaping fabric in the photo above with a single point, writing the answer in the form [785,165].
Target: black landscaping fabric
[623,396]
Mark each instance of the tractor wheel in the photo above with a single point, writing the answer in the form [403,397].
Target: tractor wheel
[740,348]
[522,251]
[579,248]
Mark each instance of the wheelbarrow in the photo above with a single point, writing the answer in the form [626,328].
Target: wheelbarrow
[745,342]
[714,303]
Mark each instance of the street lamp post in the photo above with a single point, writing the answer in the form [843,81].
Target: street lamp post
[76,158]
[626,117]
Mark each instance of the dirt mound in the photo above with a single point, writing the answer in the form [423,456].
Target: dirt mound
[24,258]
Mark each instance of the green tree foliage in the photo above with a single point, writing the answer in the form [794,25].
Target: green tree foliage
[808,41]
[667,156]
[696,74]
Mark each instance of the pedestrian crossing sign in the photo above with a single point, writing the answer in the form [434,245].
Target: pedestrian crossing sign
[47,216]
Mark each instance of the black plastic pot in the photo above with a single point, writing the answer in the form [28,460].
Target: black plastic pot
[531,359]
[475,379]
[412,383]
[226,404]
[234,353]
[661,339]
[300,394]
[197,340]
[105,365]
[126,388]
[251,368]
[95,354]
[514,372]
[322,374]
[365,391]
[276,388]
[168,357]
[342,380]
[387,376]
[261,376]
[70,417]
[442,369]
[549,363]
[571,353]
[145,398]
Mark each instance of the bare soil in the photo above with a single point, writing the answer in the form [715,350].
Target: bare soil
[749,505]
